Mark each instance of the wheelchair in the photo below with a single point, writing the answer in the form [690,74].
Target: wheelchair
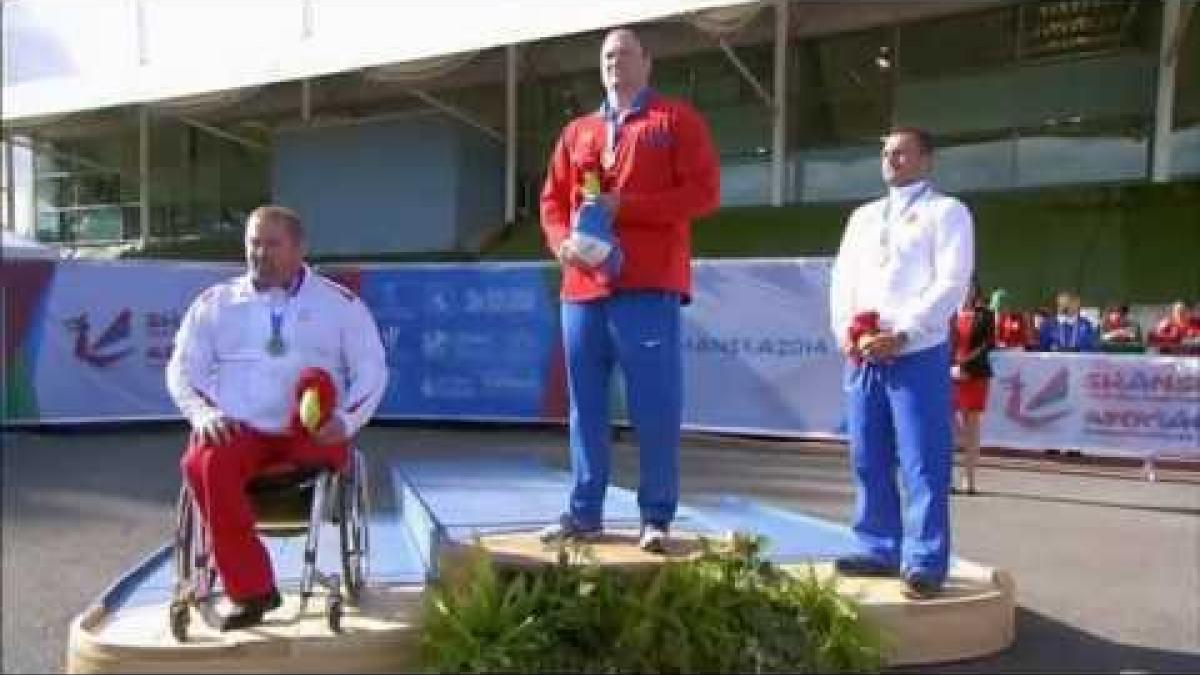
[288,501]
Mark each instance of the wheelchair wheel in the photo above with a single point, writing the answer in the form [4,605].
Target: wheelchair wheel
[181,616]
[178,614]
[353,526]
[184,535]
[334,610]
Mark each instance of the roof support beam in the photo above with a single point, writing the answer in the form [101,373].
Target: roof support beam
[1164,106]
[779,110]
[222,134]
[510,134]
[456,113]
[144,175]
[745,72]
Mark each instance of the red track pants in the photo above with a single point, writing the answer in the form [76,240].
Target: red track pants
[218,475]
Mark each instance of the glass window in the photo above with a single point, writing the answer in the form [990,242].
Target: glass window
[88,188]
[954,45]
[837,174]
[1080,152]
[839,92]
[1185,151]
[1070,29]
[985,164]
[1039,94]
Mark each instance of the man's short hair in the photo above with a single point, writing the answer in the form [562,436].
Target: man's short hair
[282,214]
[632,33]
[924,138]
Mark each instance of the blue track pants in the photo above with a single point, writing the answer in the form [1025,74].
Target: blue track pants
[899,418]
[640,331]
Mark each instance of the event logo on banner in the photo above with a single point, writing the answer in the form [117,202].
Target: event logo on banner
[107,334]
[106,349]
[1107,403]
[1039,408]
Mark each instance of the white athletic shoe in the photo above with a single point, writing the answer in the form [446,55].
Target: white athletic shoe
[653,538]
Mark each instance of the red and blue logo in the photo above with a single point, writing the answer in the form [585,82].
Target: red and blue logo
[1044,407]
[106,349]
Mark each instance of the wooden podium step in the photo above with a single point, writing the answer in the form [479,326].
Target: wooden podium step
[379,636]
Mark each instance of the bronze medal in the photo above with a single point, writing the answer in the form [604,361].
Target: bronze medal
[608,158]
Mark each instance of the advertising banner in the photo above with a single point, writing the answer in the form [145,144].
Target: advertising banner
[469,342]
[104,334]
[1108,404]
[759,356]
[88,341]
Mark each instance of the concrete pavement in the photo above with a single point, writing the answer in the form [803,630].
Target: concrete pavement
[1107,565]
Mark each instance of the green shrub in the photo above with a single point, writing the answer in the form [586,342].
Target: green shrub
[727,610]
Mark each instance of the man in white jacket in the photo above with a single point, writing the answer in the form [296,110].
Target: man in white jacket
[240,351]
[904,266]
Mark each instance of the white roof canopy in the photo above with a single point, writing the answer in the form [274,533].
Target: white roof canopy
[63,56]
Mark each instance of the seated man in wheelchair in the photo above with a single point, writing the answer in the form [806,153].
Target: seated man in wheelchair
[239,357]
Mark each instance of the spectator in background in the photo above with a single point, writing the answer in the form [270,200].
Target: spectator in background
[1119,332]
[1178,333]
[1067,331]
[1012,328]
[972,338]
[1038,320]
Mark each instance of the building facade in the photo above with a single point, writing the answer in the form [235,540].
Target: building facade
[1021,96]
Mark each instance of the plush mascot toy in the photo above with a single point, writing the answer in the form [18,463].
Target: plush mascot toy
[316,399]
[592,233]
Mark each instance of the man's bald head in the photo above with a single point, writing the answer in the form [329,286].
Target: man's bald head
[624,62]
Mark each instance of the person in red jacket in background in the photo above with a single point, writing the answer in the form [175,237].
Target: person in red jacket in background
[972,338]
[1119,332]
[656,168]
[1178,333]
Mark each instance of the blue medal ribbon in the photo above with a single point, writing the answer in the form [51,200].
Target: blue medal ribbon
[275,345]
[614,120]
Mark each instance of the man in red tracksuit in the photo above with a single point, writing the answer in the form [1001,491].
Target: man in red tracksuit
[657,170]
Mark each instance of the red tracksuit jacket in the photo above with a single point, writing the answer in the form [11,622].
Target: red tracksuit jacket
[666,173]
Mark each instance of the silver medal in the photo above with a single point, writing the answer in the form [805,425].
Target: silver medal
[276,346]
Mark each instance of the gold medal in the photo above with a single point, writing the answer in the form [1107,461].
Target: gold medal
[608,158]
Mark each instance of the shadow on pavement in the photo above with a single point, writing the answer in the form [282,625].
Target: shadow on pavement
[1045,645]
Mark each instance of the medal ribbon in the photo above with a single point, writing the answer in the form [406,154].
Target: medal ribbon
[887,219]
[613,120]
[277,312]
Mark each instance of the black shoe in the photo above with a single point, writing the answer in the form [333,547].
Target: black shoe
[920,587]
[864,566]
[250,612]
[568,529]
